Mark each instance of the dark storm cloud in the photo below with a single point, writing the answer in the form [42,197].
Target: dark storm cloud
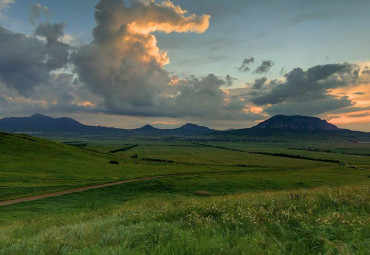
[245,65]
[264,67]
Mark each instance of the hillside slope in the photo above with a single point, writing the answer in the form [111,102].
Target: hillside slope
[31,166]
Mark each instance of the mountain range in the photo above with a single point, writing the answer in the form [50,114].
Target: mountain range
[278,126]
[39,123]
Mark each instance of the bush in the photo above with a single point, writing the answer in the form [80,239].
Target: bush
[202,193]
[114,162]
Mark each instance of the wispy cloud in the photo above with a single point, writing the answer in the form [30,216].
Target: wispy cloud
[4,6]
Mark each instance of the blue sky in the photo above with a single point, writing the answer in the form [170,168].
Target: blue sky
[291,34]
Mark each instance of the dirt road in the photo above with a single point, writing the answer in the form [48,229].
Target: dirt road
[64,192]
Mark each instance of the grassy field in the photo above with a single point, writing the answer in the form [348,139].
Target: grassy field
[318,221]
[224,199]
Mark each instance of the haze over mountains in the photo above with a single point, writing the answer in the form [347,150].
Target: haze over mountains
[275,126]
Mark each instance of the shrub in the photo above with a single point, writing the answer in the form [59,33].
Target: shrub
[202,193]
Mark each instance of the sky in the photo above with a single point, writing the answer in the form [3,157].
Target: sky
[222,64]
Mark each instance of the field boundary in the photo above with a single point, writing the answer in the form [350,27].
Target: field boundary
[70,191]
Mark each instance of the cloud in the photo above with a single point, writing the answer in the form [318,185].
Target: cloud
[308,91]
[122,72]
[22,64]
[26,62]
[35,11]
[309,108]
[311,84]
[246,62]
[57,51]
[264,67]
[4,6]
[359,93]
[229,80]
[360,115]
[258,83]
[124,65]
[52,32]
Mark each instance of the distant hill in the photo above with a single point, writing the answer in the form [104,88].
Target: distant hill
[296,122]
[39,123]
[286,128]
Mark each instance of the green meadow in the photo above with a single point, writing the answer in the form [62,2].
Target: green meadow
[229,197]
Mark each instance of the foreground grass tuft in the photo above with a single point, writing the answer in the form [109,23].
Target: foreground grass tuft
[319,221]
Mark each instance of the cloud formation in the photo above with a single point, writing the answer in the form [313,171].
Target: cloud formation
[22,64]
[122,72]
[4,5]
[124,65]
[264,67]
[26,62]
[245,65]
[258,83]
[57,51]
[308,91]
[35,11]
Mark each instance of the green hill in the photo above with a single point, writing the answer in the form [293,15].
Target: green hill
[226,197]
[31,166]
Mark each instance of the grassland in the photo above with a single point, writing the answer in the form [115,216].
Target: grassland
[322,220]
[224,199]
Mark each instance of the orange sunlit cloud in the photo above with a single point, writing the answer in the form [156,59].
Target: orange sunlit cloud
[359,94]
[352,117]
[85,103]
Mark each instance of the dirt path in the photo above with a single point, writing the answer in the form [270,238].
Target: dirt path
[64,192]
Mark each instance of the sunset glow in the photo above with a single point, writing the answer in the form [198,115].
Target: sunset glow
[209,62]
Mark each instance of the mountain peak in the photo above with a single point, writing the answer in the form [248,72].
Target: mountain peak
[39,116]
[190,125]
[296,122]
[147,127]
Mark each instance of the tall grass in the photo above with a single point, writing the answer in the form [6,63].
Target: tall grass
[318,221]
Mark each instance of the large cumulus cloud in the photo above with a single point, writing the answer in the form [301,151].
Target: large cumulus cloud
[123,64]
[125,67]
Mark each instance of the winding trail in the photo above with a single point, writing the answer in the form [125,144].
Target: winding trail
[69,191]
